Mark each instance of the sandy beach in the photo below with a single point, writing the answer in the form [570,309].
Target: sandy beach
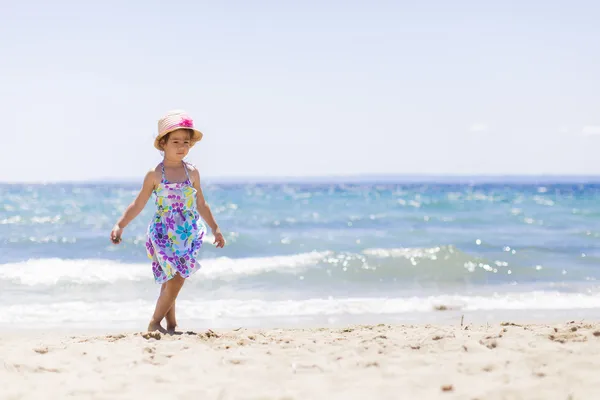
[500,361]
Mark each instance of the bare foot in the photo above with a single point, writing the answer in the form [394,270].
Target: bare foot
[172,330]
[156,326]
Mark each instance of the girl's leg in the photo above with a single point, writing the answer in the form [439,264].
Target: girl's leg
[165,302]
[170,316]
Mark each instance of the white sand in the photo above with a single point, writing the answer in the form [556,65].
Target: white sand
[359,362]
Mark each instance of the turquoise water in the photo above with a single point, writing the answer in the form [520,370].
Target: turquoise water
[306,251]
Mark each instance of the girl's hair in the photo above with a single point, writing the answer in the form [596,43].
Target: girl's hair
[165,138]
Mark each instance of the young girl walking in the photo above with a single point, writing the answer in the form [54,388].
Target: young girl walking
[176,232]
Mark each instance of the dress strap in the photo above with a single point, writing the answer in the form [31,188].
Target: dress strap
[186,172]
[162,166]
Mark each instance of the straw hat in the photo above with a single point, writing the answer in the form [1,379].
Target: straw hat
[173,120]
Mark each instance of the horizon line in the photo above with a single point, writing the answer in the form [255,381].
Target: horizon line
[353,178]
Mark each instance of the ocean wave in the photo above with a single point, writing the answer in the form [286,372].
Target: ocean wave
[84,271]
[442,264]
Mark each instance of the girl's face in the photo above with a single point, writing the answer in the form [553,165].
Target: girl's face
[178,144]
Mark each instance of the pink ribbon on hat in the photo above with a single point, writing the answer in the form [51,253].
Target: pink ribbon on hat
[187,122]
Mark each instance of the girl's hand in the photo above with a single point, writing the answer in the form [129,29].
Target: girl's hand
[219,239]
[115,234]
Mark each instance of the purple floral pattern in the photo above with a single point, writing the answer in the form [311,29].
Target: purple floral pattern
[176,233]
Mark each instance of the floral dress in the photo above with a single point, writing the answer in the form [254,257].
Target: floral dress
[176,232]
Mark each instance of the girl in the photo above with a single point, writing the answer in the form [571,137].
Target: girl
[176,233]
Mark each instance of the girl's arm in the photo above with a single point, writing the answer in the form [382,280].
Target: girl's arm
[204,210]
[135,207]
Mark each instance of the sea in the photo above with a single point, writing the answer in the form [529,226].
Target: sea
[310,253]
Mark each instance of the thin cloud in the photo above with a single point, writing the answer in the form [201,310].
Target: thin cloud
[591,130]
[478,127]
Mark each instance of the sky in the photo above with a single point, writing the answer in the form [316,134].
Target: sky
[301,88]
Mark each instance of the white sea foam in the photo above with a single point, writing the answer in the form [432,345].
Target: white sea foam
[408,253]
[139,310]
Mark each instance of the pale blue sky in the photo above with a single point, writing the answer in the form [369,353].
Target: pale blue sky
[301,87]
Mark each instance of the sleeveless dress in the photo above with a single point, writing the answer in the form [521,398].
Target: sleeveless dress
[176,233]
